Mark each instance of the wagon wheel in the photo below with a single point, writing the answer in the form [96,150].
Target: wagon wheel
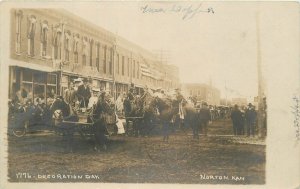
[82,135]
[18,125]
[20,131]
[86,130]
[86,133]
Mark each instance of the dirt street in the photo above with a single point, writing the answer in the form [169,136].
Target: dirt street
[217,158]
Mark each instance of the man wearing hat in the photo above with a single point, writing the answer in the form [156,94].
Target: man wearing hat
[179,96]
[250,116]
[204,117]
[237,120]
[84,93]
[94,98]
[130,94]
[70,94]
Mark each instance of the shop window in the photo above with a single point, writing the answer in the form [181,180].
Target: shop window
[51,91]
[27,84]
[103,85]
[27,76]
[28,90]
[39,77]
[51,79]
[52,87]
[111,89]
[64,84]
[39,93]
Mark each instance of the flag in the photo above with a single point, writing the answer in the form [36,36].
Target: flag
[145,70]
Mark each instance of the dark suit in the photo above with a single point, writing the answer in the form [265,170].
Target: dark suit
[84,95]
[70,97]
[250,116]
[204,117]
[237,121]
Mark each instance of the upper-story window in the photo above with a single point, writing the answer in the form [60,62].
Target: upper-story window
[19,17]
[56,41]
[128,67]
[67,45]
[84,49]
[138,70]
[76,48]
[133,72]
[31,26]
[118,64]
[98,56]
[110,60]
[91,43]
[44,37]
[104,58]
[123,62]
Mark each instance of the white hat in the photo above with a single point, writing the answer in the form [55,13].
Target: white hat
[95,89]
[78,80]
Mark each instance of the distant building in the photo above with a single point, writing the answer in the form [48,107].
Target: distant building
[239,101]
[202,92]
[225,102]
[171,76]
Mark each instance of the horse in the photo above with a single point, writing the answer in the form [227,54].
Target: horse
[168,114]
[142,113]
[102,109]
[192,119]
[146,108]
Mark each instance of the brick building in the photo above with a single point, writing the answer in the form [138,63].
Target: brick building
[239,101]
[51,47]
[202,92]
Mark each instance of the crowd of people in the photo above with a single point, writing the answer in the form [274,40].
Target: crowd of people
[81,95]
[244,121]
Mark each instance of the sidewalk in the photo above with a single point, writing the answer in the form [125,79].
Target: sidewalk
[248,140]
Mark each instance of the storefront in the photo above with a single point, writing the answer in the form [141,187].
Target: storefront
[121,88]
[35,84]
[44,85]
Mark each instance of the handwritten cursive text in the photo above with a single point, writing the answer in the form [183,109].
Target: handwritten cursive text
[186,12]
[296,112]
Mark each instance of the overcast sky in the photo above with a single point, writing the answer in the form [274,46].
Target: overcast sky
[220,45]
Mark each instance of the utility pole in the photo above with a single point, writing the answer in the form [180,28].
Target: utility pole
[61,54]
[226,94]
[260,82]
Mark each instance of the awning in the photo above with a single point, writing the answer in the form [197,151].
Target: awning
[32,66]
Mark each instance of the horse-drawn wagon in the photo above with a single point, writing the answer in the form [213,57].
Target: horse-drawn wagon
[82,120]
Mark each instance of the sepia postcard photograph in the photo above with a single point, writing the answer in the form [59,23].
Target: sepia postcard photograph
[174,93]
